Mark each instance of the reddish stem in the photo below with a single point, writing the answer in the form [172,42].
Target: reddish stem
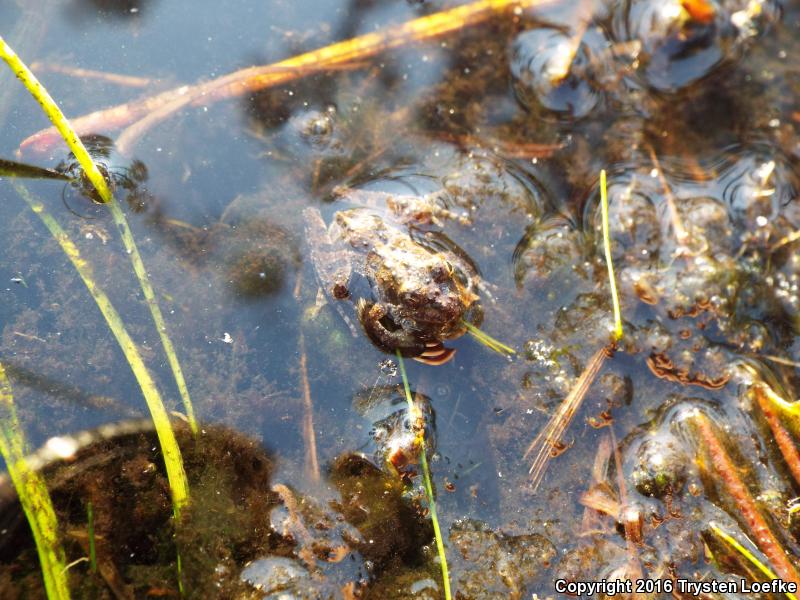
[748,510]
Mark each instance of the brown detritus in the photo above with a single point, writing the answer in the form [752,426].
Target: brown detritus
[646,293]
[748,511]
[663,367]
[604,419]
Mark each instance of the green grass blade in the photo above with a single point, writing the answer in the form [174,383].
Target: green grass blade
[33,497]
[609,263]
[155,310]
[752,558]
[61,123]
[488,341]
[179,486]
[437,533]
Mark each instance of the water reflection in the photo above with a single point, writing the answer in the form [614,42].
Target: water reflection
[117,9]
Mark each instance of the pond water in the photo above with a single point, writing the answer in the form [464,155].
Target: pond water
[298,234]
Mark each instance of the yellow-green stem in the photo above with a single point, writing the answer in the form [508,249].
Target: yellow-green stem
[609,263]
[75,144]
[488,341]
[752,558]
[33,496]
[426,474]
[179,486]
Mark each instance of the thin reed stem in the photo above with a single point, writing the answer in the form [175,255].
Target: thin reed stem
[609,262]
[90,528]
[75,144]
[426,474]
[488,341]
[33,496]
[179,486]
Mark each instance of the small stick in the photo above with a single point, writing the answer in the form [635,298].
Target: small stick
[309,437]
[677,225]
[116,78]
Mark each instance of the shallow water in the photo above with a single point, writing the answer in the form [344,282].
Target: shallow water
[481,121]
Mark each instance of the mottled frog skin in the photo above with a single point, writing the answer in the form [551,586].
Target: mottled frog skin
[410,286]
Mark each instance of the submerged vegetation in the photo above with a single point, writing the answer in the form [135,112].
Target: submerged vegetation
[411,173]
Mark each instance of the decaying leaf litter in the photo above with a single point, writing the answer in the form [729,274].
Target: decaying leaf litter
[702,312]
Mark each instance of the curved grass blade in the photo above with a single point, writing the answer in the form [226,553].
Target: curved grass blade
[426,474]
[488,341]
[752,558]
[179,486]
[61,123]
[33,497]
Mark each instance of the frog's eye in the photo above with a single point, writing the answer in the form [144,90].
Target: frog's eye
[413,299]
[441,273]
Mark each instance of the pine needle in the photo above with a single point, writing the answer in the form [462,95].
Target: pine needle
[488,341]
[548,439]
[428,486]
[33,496]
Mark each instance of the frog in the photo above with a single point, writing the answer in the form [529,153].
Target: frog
[411,288]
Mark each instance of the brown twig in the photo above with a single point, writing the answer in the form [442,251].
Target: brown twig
[309,436]
[245,81]
[745,504]
[677,225]
[115,78]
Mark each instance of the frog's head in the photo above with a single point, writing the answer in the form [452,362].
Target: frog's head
[437,297]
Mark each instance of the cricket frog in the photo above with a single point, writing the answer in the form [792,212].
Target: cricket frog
[410,286]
